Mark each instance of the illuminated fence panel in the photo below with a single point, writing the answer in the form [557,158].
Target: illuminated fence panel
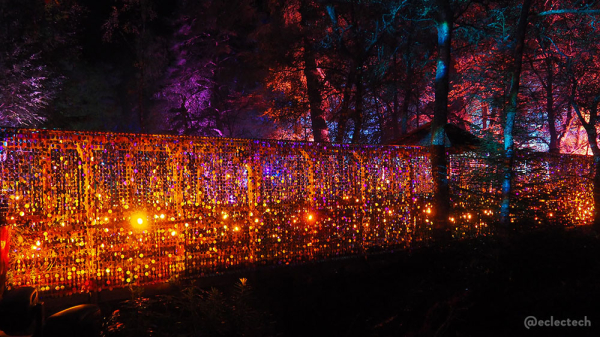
[548,188]
[98,210]
[556,188]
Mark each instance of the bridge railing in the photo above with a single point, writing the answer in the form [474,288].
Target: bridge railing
[95,211]
[92,211]
[548,188]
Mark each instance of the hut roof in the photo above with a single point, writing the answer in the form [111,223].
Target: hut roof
[457,138]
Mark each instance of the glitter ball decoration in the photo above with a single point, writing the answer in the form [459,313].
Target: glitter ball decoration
[93,211]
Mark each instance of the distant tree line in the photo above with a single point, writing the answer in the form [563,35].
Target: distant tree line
[522,74]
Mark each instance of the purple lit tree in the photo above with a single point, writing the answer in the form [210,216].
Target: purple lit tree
[208,88]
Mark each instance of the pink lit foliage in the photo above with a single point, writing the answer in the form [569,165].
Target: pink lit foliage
[26,88]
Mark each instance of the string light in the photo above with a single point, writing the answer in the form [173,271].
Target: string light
[94,211]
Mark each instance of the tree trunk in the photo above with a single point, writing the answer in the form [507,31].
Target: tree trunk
[554,144]
[417,112]
[590,128]
[439,162]
[596,190]
[484,117]
[408,87]
[358,109]
[406,103]
[344,113]
[395,112]
[317,115]
[511,113]
[592,139]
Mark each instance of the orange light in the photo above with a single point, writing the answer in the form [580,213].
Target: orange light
[138,220]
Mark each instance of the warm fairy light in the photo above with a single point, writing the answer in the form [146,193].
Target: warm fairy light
[231,203]
[138,220]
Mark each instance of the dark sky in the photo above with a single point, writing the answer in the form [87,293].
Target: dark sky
[98,12]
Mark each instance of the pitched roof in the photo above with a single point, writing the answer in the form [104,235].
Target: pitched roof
[456,137]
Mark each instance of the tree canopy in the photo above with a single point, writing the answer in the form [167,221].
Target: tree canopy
[521,75]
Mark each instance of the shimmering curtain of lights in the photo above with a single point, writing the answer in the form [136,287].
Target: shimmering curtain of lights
[549,188]
[93,211]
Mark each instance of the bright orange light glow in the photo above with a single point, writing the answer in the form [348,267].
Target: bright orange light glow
[138,220]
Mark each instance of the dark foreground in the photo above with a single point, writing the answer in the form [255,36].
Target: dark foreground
[482,287]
